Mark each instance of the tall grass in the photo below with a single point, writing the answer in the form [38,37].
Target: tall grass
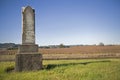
[100,69]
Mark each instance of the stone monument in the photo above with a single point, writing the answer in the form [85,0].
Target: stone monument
[28,58]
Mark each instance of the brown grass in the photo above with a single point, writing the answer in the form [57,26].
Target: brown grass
[73,50]
[79,52]
[82,50]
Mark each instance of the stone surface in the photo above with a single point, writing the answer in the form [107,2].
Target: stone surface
[27,49]
[28,23]
[28,62]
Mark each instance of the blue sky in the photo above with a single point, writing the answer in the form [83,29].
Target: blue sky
[63,21]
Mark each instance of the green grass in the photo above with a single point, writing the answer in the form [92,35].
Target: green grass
[99,69]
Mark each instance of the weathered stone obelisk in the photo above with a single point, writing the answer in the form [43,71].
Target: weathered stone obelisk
[28,58]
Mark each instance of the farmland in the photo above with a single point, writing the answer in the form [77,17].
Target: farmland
[94,63]
[78,52]
[82,50]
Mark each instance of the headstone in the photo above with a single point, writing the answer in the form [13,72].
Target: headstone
[28,58]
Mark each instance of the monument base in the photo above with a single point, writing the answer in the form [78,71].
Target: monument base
[28,62]
[28,48]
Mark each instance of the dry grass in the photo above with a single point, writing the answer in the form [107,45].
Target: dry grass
[73,50]
[82,50]
[79,52]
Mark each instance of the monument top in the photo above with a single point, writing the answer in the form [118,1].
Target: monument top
[28,24]
[24,8]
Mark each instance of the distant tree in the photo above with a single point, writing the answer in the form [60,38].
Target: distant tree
[101,44]
[61,46]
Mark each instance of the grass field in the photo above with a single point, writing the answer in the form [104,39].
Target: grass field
[88,69]
[83,69]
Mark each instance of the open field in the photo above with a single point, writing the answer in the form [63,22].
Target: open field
[83,69]
[89,69]
[73,50]
[80,52]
